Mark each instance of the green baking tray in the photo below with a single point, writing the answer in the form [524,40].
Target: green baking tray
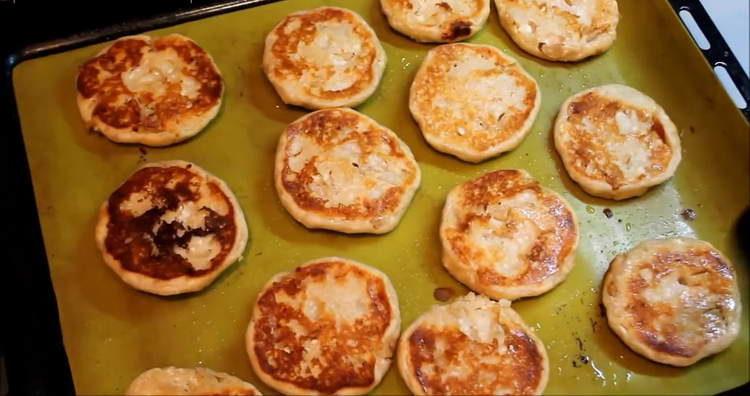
[111,332]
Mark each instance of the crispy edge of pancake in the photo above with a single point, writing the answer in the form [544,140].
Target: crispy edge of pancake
[314,220]
[616,314]
[191,126]
[466,272]
[425,34]
[633,97]
[406,368]
[286,90]
[390,337]
[184,283]
[530,43]
[150,381]
[466,154]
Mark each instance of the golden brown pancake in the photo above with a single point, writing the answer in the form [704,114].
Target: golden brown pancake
[340,170]
[328,327]
[171,228]
[437,21]
[506,236]
[616,142]
[560,30]
[324,57]
[674,301]
[151,91]
[472,101]
[189,381]
[472,346]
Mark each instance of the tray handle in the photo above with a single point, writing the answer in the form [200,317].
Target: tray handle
[718,54]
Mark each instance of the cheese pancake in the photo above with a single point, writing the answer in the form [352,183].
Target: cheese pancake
[506,236]
[324,57]
[472,346]
[472,101]
[171,228]
[150,91]
[328,327]
[437,21]
[616,142]
[340,170]
[189,381]
[674,301]
[560,30]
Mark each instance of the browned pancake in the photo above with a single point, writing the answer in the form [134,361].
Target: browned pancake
[472,346]
[674,301]
[616,142]
[170,222]
[506,236]
[437,20]
[472,101]
[330,326]
[151,91]
[324,57]
[171,381]
[340,170]
[560,30]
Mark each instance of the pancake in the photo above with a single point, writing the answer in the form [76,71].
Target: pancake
[324,57]
[560,30]
[328,327]
[155,92]
[674,301]
[436,21]
[616,142]
[472,346]
[472,101]
[340,170]
[189,381]
[506,236]
[171,228]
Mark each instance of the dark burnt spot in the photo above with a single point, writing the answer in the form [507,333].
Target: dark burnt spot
[443,5]
[580,361]
[608,212]
[581,105]
[658,128]
[689,214]
[443,294]
[594,325]
[142,155]
[579,342]
[457,30]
